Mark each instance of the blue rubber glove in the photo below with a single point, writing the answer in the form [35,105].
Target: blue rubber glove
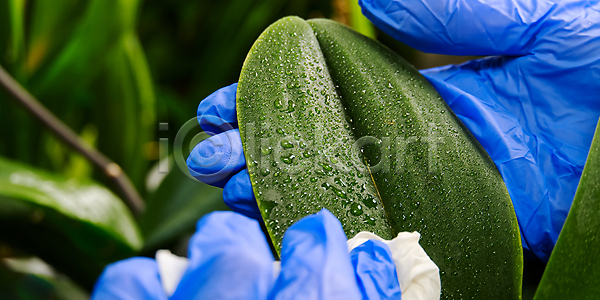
[230,259]
[533,106]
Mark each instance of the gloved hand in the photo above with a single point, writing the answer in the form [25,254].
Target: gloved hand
[229,258]
[533,105]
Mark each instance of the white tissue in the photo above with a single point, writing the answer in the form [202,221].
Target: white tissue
[170,269]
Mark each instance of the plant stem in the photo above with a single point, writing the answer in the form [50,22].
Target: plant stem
[129,194]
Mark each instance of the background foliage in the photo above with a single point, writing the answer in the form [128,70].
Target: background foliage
[112,70]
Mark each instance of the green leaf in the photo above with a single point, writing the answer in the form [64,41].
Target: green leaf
[332,119]
[76,226]
[573,271]
[176,206]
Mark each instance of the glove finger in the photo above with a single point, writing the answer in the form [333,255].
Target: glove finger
[375,271]
[216,113]
[215,160]
[461,27]
[134,278]
[229,259]
[238,195]
[315,263]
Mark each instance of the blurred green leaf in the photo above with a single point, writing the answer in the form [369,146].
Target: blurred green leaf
[17,26]
[358,21]
[31,279]
[240,24]
[85,63]
[126,115]
[14,138]
[79,166]
[4,34]
[81,59]
[195,47]
[176,206]
[573,271]
[51,25]
[104,56]
[77,226]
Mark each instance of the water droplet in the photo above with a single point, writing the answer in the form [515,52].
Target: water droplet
[369,201]
[320,172]
[356,209]
[266,150]
[290,107]
[369,220]
[326,166]
[287,144]
[339,193]
[288,159]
